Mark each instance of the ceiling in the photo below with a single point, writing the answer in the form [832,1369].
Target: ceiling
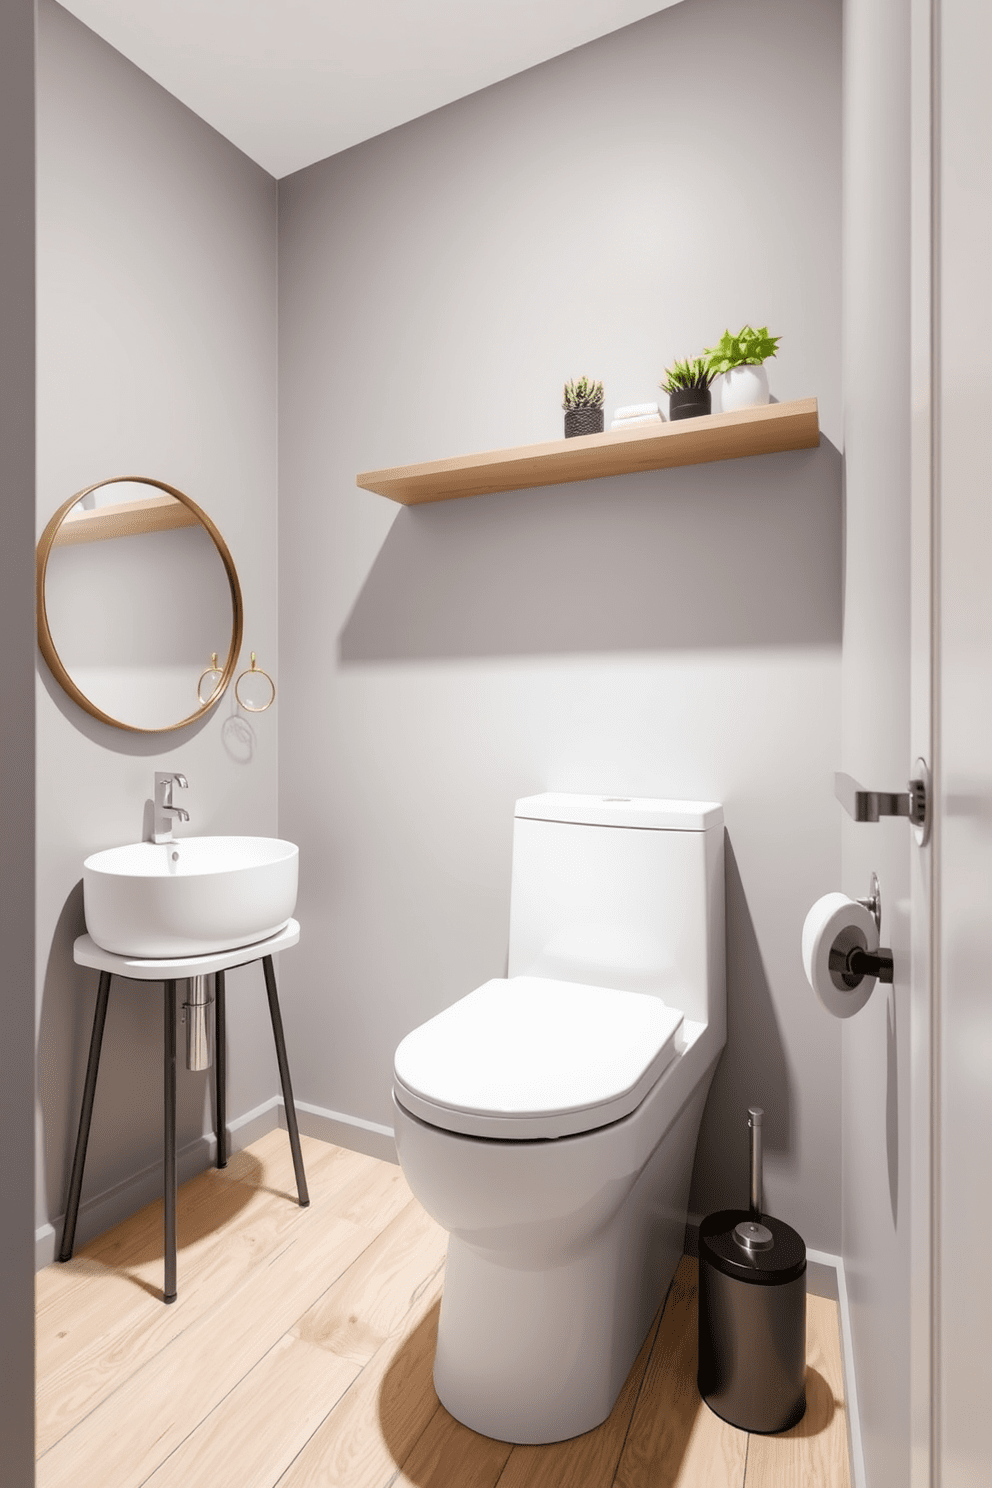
[293,81]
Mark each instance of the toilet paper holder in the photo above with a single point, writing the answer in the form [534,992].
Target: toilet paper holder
[873,902]
[854,962]
[842,958]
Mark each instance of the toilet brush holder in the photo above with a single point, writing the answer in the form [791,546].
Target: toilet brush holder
[752,1312]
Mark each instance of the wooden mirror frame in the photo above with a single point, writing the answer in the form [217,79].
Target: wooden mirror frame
[116,528]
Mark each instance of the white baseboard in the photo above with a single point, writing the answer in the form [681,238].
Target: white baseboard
[123,1199]
[352,1132]
[44,1245]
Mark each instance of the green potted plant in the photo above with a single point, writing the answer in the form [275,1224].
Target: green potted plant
[688,387]
[583,405]
[736,364]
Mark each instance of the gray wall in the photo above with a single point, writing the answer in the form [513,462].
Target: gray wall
[156,355]
[17,472]
[665,634]
[876,700]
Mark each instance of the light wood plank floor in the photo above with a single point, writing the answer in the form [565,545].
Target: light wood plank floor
[300,1348]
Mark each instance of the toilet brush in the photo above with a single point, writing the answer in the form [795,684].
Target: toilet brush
[755,1114]
[751,1234]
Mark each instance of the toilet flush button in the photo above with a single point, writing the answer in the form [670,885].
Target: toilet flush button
[750,1235]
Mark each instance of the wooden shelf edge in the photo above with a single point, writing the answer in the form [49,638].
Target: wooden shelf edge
[720,436]
[153,514]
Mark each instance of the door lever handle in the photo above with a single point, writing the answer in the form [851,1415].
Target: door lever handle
[870,806]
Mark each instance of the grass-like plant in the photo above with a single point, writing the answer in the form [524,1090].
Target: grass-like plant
[681,376]
[581,393]
[749,348]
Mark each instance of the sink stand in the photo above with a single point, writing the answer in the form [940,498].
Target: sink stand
[87,953]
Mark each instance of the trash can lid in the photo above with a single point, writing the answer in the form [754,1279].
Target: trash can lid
[731,1241]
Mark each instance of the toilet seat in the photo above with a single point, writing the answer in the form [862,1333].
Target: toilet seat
[525,1058]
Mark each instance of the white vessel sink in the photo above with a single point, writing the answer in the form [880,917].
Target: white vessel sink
[189,897]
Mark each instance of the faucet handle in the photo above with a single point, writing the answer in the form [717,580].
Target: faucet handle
[164,781]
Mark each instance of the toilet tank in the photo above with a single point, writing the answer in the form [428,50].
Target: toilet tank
[618,892]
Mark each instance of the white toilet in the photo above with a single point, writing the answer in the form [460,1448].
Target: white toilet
[548,1120]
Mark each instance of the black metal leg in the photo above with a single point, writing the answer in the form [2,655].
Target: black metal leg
[85,1118]
[169,1198]
[220,1062]
[287,1088]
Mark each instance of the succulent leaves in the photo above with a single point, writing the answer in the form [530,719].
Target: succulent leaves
[749,348]
[581,393]
[692,373]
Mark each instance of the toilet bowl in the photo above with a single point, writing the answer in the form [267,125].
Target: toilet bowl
[548,1120]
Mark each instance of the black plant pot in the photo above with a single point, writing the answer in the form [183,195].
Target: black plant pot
[689,403]
[583,421]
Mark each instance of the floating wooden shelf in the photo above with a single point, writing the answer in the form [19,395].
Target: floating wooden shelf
[153,514]
[720,436]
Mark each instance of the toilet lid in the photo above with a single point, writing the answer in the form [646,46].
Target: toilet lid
[527,1057]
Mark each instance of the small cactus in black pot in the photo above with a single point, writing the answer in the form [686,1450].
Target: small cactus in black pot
[688,387]
[583,405]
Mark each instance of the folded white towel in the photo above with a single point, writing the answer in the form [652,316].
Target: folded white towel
[636,410]
[637,423]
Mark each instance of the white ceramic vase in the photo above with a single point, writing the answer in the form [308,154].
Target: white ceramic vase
[741,387]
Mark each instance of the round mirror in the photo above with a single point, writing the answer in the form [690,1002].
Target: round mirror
[139,605]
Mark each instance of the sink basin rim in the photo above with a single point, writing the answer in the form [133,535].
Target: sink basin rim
[198,857]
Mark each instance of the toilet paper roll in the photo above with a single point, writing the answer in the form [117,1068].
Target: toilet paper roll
[837,923]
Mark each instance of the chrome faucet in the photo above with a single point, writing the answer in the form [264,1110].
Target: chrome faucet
[165,812]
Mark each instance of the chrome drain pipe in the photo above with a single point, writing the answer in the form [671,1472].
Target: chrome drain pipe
[197,1014]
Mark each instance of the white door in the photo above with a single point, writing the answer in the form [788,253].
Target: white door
[961,1043]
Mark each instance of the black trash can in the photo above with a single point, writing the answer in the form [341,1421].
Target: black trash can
[752,1320]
